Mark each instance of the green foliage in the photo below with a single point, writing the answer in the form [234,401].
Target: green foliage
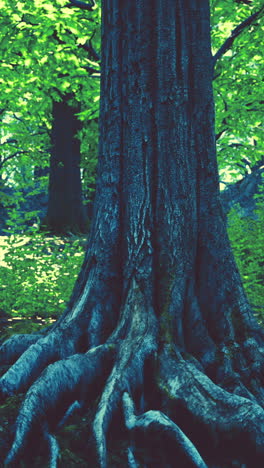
[246,236]
[37,274]
[238,86]
[45,53]
[42,52]
[18,220]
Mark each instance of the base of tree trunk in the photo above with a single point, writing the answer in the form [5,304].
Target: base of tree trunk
[158,332]
[159,396]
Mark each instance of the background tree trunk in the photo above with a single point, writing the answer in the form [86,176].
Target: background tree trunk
[65,211]
[158,304]
[242,194]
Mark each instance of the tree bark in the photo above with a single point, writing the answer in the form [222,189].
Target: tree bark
[243,193]
[65,210]
[158,315]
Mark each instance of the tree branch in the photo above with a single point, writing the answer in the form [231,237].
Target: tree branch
[11,156]
[234,34]
[91,69]
[80,4]
[89,48]
[9,141]
[219,134]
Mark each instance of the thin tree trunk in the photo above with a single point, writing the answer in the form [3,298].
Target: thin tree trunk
[65,211]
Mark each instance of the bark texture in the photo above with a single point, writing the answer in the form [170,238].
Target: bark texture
[158,316]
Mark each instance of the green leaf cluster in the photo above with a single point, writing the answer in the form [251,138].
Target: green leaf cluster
[246,237]
[37,274]
[238,86]
[44,54]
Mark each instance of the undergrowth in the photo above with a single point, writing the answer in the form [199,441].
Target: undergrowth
[246,237]
[37,272]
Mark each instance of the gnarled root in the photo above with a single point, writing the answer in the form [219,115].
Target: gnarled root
[206,411]
[194,420]
[15,346]
[44,350]
[157,422]
[179,414]
[58,388]
[127,374]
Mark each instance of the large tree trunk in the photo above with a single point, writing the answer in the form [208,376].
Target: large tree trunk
[158,315]
[65,210]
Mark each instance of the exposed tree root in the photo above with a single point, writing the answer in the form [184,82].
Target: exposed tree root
[62,384]
[53,449]
[169,344]
[127,374]
[15,346]
[189,404]
[156,421]
[43,351]
[131,461]
[187,408]
[242,370]
[208,408]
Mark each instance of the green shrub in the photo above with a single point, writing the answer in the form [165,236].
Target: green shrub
[37,274]
[246,236]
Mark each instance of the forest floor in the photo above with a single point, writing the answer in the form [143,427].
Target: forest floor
[74,438]
[51,261]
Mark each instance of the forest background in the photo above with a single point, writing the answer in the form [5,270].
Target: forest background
[49,88]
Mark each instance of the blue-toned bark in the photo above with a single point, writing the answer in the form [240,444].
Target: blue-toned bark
[159,284]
